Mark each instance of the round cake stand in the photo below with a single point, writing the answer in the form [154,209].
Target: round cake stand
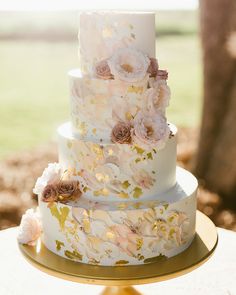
[119,279]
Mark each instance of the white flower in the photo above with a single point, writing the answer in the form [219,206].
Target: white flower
[129,64]
[143,178]
[157,99]
[150,130]
[30,228]
[51,174]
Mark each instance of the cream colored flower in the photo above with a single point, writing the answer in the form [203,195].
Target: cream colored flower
[150,130]
[30,228]
[157,99]
[50,175]
[143,179]
[129,64]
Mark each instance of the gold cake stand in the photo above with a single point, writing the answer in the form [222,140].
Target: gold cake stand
[119,279]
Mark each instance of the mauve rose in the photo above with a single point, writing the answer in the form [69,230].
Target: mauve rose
[162,75]
[102,70]
[68,190]
[121,133]
[50,193]
[153,67]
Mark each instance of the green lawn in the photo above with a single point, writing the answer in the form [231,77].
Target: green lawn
[34,87]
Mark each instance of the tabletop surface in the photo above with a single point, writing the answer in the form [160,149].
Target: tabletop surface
[217,276]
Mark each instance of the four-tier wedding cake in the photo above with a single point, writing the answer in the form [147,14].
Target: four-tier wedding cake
[116,196]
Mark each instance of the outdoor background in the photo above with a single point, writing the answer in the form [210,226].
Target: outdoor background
[36,51]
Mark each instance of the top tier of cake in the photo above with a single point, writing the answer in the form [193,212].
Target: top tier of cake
[102,33]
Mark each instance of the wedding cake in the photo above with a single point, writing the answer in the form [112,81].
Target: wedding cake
[115,197]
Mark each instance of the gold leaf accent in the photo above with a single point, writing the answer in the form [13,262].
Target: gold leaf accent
[94,130]
[85,189]
[69,144]
[122,206]
[131,26]
[172,232]
[60,214]
[139,243]
[110,235]
[121,262]
[137,192]
[140,257]
[97,150]
[86,225]
[139,150]
[149,156]
[155,259]
[123,195]
[75,255]
[135,89]
[102,192]
[125,184]
[128,116]
[81,126]
[137,205]
[166,206]
[59,244]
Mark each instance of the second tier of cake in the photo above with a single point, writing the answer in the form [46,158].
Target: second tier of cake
[118,171]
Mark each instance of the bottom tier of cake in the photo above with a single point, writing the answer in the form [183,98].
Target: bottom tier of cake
[123,233]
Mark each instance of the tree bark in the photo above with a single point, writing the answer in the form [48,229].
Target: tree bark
[216,158]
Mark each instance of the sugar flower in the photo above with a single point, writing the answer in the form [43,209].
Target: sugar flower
[157,99]
[30,228]
[129,64]
[121,133]
[102,70]
[150,130]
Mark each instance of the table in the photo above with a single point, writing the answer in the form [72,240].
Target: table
[217,276]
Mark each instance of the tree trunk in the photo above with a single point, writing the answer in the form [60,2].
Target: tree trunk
[216,158]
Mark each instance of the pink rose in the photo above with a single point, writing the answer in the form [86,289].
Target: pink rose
[102,70]
[121,133]
[153,67]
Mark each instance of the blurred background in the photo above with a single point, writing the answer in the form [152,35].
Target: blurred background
[196,43]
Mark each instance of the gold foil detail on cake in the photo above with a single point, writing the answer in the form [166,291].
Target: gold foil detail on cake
[123,195]
[137,192]
[139,150]
[149,156]
[135,89]
[139,243]
[60,214]
[75,255]
[125,184]
[94,130]
[102,192]
[86,225]
[121,262]
[155,259]
[59,244]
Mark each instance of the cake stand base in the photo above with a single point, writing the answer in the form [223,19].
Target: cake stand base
[120,279]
